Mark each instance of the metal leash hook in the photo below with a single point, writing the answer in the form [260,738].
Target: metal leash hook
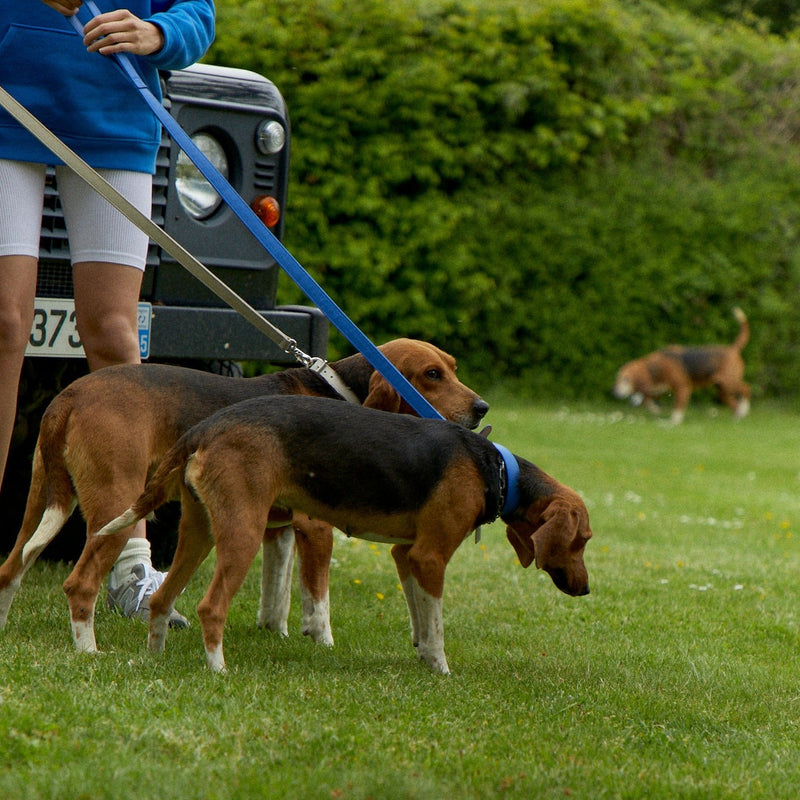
[324,370]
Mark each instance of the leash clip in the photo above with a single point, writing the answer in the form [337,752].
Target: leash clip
[321,367]
[324,370]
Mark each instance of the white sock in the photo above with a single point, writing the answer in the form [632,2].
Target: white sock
[136,551]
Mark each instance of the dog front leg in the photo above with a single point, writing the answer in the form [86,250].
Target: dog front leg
[652,406]
[431,629]
[400,556]
[425,609]
[683,394]
[276,580]
[314,540]
[427,565]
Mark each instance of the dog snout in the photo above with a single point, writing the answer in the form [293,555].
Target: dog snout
[571,584]
[479,409]
[472,416]
[622,389]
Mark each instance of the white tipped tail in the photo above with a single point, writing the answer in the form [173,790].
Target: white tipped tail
[124,520]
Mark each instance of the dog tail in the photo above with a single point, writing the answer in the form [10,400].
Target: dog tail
[51,496]
[50,469]
[744,329]
[159,489]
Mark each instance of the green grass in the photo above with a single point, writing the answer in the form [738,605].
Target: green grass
[676,678]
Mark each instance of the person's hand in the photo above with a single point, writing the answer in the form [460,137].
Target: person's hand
[66,7]
[119,32]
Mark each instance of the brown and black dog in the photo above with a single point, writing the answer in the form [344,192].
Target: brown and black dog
[680,370]
[419,484]
[104,435]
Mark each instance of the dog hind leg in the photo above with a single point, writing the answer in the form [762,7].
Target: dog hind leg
[736,397]
[194,545]
[82,585]
[237,539]
[21,558]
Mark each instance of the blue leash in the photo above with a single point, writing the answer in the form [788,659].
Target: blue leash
[269,241]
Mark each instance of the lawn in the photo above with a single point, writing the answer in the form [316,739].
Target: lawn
[677,677]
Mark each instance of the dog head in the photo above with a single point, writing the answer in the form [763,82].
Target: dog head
[628,380]
[432,372]
[553,531]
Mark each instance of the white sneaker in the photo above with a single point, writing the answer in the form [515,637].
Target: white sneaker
[131,597]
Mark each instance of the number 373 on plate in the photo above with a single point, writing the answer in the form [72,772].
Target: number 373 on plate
[55,333]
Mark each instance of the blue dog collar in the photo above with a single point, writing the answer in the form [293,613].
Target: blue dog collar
[510,490]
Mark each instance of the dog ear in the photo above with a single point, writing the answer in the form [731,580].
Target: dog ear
[558,530]
[381,395]
[522,542]
[554,536]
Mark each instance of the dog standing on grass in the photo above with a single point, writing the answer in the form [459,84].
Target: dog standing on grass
[420,484]
[104,435]
[680,370]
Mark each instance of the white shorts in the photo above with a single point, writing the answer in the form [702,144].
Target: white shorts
[96,230]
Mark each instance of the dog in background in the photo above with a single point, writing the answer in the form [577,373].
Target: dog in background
[419,484]
[680,370]
[104,435]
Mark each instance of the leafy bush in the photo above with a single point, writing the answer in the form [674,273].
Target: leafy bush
[545,191]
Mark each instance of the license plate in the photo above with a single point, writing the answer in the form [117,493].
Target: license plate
[54,332]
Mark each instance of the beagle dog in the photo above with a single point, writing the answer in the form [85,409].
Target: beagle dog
[680,370]
[419,484]
[104,435]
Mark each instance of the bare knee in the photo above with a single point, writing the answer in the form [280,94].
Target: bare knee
[111,339]
[15,330]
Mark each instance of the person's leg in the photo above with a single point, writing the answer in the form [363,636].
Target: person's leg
[108,254]
[106,300]
[17,291]
[21,200]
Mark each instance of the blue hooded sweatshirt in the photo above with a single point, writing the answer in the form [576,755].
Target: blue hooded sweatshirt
[84,98]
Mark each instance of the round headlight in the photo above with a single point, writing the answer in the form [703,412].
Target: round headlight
[270,137]
[197,196]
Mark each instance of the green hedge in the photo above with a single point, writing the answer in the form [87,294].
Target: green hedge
[545,191]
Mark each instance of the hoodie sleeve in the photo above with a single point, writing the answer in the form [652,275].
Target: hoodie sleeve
[188,28]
